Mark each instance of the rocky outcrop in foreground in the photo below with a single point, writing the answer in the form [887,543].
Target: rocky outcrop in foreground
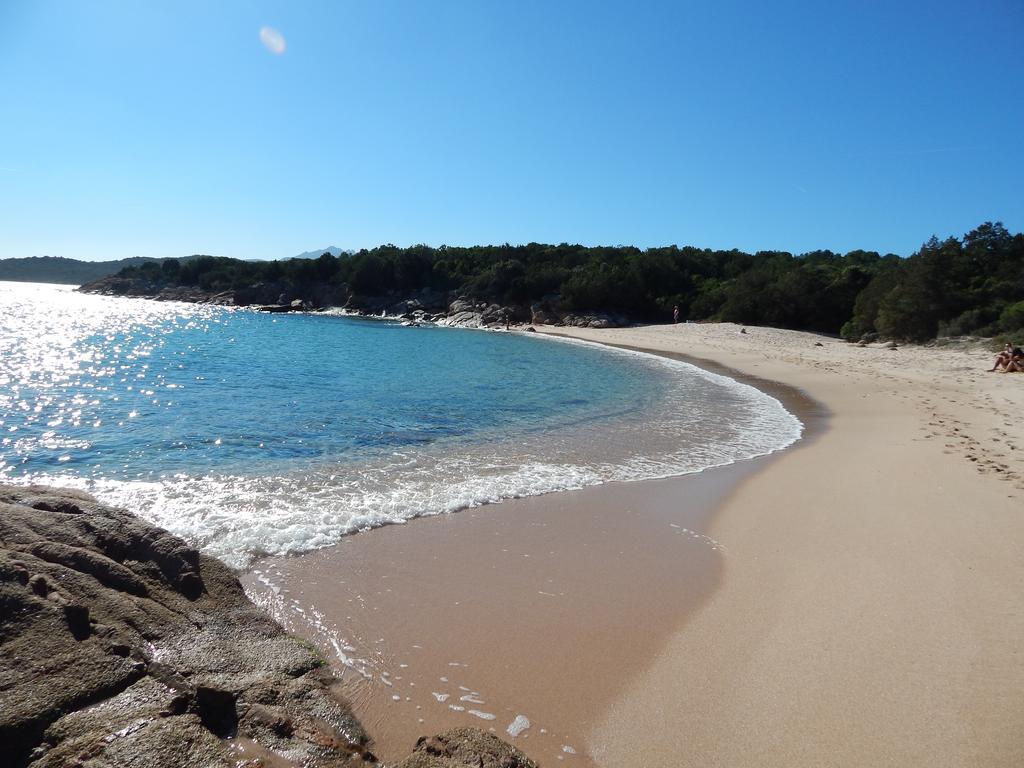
[120,645]
[462,747]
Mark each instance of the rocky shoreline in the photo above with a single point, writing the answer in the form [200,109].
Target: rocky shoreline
[120,645]
[425,306]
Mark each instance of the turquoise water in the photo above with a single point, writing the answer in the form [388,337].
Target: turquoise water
[252,433]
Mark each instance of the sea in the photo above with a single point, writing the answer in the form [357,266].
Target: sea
[253,434]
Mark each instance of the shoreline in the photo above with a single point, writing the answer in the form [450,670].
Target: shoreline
[857,601]
[600,617]
[447,605]
[870,607]
[867,606]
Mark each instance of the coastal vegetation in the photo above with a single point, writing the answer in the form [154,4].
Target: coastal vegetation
[957,286]
[56,269]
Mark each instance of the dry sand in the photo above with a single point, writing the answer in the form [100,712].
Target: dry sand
[871,609]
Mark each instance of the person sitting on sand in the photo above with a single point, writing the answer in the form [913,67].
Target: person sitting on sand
[1004,358]
[1016,362]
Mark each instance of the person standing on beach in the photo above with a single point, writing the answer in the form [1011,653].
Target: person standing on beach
[675,314]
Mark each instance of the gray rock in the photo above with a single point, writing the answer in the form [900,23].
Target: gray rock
[461,747]
[123,646]
[494,314]
[464,313]
[596,320]
[464,320]
[462,304]
[541,315]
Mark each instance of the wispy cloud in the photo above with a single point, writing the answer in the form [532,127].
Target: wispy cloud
[273,40]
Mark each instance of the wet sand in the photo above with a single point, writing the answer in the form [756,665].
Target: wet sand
[542,607]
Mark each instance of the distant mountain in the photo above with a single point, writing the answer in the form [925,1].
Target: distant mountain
[57,269]
[332,249]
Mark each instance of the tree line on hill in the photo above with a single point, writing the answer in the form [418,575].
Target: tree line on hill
[957,286]
[57,269]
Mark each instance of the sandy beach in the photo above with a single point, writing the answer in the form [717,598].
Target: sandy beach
[855,600]
[870,610]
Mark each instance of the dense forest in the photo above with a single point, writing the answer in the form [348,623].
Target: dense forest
[56,269]
[972,285]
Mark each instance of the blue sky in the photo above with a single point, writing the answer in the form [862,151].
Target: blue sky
[165,129]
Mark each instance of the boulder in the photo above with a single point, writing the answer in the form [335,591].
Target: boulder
[120,645]
[461,305]
[463,320]
[594,320]
[464,313]
[461,747]
[541,315]
[495,314]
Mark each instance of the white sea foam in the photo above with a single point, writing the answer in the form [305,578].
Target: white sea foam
[517,726]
